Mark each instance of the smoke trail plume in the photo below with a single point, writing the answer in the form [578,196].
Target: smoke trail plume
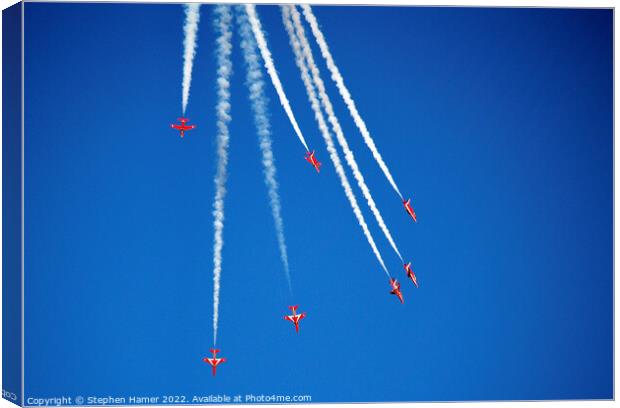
[346,95]
[256,84]
[192,17]
[327,105]
[223,51]
[271,69]
[333,153]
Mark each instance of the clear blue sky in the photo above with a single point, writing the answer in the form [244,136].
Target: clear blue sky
[497,121]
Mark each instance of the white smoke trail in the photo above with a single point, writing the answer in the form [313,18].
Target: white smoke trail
[271,69]
[327,105]
[256,84]
[192,17]
[331,148]
[223,18]
[346,95]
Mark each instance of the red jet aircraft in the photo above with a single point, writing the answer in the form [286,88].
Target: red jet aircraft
[313,161]
[214,362]
[396,289]
[182,127]
[295,318]
[409,209]
[411,274]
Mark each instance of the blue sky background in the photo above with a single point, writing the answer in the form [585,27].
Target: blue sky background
[497,121]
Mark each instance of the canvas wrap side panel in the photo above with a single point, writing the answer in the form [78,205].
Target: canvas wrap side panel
[12,203]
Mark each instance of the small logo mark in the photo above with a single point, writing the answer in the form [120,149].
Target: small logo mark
[9,395]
